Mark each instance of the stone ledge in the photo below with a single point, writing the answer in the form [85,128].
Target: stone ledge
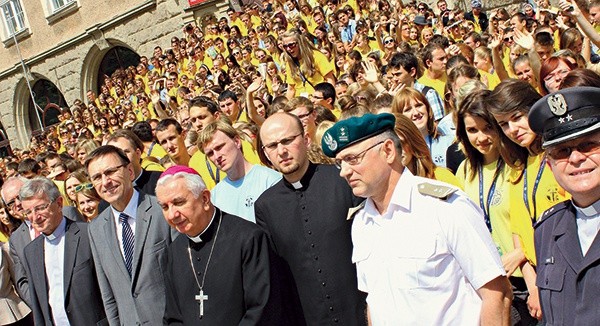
[62,12]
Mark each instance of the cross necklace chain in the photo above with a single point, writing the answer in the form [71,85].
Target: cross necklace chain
[201,297]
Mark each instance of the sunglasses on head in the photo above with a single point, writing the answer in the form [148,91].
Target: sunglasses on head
[83,186]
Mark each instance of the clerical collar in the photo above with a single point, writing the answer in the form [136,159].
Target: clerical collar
[208,231]
[304,181]
[58,232]
[587,212]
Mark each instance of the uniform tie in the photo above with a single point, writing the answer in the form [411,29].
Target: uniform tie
[128,240]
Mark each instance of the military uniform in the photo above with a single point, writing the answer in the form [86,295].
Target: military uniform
[566,242]
[568,281]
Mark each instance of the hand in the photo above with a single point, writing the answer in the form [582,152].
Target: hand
[255,86]
[496,41]
[566,5]
[512,260]
[533,303]
[524,39]
[154,96]
[453,50]
[394,90]
[371,74]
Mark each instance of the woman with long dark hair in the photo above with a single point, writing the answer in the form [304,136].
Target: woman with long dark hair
[487,181]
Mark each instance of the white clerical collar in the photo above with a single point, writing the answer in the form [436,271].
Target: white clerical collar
[58,232]
[588,212]
[297,184]
[198,239]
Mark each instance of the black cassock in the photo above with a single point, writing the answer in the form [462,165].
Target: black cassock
[237,284]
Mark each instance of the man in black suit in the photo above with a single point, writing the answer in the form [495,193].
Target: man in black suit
[63,286]
[24,233]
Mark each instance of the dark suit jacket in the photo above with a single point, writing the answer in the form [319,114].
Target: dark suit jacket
[17,242]
[139,298]
[83,302]
[568,281]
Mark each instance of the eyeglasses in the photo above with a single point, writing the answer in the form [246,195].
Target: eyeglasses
[305,115]
[563,153]
[290,45]
[284,142]
[83,186]
[354,159]
[11,203]
[38,209]
[109,173]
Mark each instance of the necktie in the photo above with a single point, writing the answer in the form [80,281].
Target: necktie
[128,240]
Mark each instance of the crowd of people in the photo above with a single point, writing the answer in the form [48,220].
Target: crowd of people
[322,162]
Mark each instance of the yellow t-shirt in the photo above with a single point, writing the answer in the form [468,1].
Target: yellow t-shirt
[437,84]
[548,194]
[322,67]
[445,175]
[500,204]
[491,79]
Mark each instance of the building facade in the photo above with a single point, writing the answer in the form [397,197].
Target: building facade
[61,44]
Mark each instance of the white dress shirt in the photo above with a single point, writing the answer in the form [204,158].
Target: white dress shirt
[131,211]
[54,262]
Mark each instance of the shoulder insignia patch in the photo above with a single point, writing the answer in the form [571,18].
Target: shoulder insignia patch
[437,191]
[353,210]
[552,211]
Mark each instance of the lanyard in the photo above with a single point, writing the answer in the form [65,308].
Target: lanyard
[216,177]
[486,206]
[429,141]
[535,186]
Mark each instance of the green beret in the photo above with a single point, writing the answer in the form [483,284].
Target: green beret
[353,130]
[566,114]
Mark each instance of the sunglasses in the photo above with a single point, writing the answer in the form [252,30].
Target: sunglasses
[83,186]
[388,42]
[290,45]
[560,153]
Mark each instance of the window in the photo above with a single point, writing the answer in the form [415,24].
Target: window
[58,5]
[12,16]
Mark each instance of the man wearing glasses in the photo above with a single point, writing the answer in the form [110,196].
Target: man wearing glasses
[23,235]
[63,285]
[128,242]
[566,237]
[422,251]
[304,216]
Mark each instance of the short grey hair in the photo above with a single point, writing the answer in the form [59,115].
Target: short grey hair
[37,187]
[194,182]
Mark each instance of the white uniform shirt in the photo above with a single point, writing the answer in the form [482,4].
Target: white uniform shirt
[422,261]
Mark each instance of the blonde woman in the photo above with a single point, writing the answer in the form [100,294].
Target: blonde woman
[305,65]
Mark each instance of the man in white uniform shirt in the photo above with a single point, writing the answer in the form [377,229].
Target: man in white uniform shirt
[422,250]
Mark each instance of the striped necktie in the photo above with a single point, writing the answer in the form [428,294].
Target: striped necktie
[128,240]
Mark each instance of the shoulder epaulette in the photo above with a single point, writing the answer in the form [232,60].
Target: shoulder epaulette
[552,211]
[353,210]
[437,191]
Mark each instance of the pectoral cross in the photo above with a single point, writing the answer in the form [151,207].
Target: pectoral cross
[200,298]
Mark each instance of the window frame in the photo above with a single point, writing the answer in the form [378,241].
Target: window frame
[54,13]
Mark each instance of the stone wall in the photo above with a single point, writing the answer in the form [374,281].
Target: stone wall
[74,69]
